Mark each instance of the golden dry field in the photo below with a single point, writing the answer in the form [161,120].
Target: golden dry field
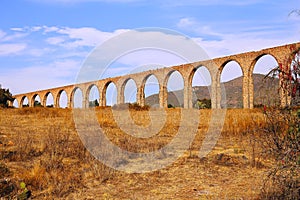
[41,147]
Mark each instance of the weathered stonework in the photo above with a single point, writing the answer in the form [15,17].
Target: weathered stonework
[215,66]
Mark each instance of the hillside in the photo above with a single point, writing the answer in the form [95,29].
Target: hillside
[265,92]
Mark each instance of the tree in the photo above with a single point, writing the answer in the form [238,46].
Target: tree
[282,136]
[37,104]
[94,103]
[5,96]
[289,76]
[202,103]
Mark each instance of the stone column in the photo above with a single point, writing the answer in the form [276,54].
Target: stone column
[85,99]
[70,103]
[56,98]
[215,92]
[247,91]
[216,85]
[31,101]
[140,95]
[10,103]
[187,94]
[103,99]
[246,65]
[285,99]
[163,96]
[120,94]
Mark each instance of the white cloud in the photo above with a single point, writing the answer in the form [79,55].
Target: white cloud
[55,40]
[13,37]
[86,36]
[9,44]
[8,49]
[41,76]
[157,58]
[17,29]
[246,39]
[36,28]
[186,22]
[233,44]
[50,29]
[2,34]
[78,37]
[39,52]
[190,24]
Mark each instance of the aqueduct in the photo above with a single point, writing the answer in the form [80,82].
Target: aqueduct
[247,61]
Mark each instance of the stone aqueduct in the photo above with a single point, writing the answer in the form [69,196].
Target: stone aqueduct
[215,66]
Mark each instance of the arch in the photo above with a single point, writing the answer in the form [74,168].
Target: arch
[129,91]
[174,83]
[263,91]
[16,103]
[24,102]
[62,99]
[109,90]
[48,100]
[258,58]
[92,96]
[76,98]
[231,63]
[150,91]
[233,81]
[36,101]
[200,81]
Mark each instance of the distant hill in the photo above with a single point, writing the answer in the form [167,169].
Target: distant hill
[265,92]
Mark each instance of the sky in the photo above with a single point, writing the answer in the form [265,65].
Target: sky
[44,43]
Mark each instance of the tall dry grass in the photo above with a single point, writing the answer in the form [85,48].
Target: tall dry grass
[46,152]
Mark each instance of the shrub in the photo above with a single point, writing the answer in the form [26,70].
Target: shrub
[282,143]
[170,106]
[282,133]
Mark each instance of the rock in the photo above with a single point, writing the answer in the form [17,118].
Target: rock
[4,171]
[230,160]
[6,188]
[10,143]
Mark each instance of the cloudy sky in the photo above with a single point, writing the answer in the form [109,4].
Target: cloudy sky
[43,43]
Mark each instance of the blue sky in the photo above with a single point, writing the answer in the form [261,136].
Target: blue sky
[43,43]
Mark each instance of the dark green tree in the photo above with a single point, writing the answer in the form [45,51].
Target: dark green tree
[94,103]
[5,97]
[202,103]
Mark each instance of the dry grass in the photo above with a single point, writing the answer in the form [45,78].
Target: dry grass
[41,147]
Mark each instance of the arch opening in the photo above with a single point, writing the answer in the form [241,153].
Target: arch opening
[49,100]
[36,101]
[130,91]
[151,91]
[15,103]
[201,88]
[93,96]
[232,78]
[77,98]
[175,87]
[62,99]
[265,89]
[24,102]
[110,94]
